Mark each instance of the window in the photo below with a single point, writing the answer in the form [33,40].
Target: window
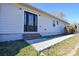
[30,17]
[25,18]
[35,17]
[57,22]
[53,23]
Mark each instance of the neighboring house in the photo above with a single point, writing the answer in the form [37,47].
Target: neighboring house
[77,28]
[19,19]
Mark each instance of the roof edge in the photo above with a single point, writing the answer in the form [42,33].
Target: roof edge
[42,11]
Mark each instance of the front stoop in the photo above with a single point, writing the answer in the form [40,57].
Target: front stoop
[31,36]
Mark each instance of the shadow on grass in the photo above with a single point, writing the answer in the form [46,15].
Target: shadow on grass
[11,48]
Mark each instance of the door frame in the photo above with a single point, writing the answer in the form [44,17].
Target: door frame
[27,27]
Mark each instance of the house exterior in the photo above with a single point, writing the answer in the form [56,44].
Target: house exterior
[20,18]
[77,30]
[76,26]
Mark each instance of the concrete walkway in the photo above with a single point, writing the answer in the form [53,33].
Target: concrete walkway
[43,43]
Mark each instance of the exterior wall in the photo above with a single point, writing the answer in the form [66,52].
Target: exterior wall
[11,21]
[45,26]
[8,37]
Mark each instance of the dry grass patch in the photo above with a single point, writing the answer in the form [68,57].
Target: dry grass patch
[63,47]
[77,52]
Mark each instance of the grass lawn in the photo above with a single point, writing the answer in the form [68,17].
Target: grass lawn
[77,52]
[62,47]
[17,48]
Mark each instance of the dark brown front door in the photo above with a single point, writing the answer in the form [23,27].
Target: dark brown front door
[30,22]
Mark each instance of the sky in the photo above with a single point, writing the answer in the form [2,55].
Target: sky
[70,10]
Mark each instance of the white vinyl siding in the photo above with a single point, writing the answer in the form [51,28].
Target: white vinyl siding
[11,19]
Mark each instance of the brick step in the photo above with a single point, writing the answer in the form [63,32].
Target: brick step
[31,36]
